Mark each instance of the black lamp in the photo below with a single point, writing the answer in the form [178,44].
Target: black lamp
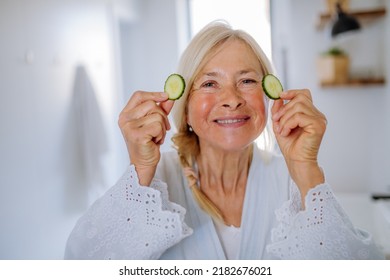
[344,22]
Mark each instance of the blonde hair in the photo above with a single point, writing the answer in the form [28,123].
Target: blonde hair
[192,61]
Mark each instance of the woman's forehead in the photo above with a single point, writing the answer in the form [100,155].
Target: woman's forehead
[236,56]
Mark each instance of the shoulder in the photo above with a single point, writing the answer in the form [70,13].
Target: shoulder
[169,164]
[169,169]
[271,162]
[271,170]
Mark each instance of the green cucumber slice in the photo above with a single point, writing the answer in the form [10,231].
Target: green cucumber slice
[174,86]
[272,86]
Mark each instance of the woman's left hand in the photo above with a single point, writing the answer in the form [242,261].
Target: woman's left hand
[299,128]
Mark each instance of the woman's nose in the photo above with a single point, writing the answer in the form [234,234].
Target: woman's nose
[232,98]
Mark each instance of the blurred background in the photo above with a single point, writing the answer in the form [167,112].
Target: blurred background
[67,68]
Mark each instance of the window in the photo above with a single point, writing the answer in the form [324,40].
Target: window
[253,16]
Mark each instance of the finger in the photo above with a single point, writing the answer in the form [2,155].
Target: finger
[312,125]
[167,106]
[289,111]
[163,114]
[156,132]
[146,108]
[276,107]
[142,96]
[143,130]
[142,136]
[300,101]
[293,93]
[155,129]
[278,104]
[291,124]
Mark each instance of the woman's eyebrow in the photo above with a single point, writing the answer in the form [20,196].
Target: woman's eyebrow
[217,74]
[247,71]
[210,74]
[206,75]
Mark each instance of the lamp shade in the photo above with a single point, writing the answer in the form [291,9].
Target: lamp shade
[344,23]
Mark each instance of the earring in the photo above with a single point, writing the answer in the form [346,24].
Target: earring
[190,128]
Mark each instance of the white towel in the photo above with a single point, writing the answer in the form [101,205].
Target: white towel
[91,136]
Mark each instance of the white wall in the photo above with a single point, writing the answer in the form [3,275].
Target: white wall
[124,45]
[40,190]
[355,153]
[151,45]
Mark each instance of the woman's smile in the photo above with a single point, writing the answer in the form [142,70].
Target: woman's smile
[232,122]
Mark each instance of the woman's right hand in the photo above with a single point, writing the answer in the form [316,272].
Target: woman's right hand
[144,122]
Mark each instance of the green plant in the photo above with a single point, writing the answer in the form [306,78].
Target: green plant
[335,51]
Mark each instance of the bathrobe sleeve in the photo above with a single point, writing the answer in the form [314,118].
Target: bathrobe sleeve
[321,231]
[129,222]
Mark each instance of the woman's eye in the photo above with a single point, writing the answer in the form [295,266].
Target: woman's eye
[249,81]
[208,85]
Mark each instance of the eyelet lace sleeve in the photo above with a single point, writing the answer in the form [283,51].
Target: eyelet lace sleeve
[129,222]
[321,231]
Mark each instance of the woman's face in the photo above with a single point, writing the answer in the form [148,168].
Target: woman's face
[226,106]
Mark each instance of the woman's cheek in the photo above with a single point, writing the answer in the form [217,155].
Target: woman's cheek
[199,108]
[258,106]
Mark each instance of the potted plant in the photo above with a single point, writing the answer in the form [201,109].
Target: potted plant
[333,67]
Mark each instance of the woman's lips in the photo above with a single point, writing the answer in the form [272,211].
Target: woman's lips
[232,121]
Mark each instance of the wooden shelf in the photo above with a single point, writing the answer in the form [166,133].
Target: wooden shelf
[363,16]
[325,18]
[357,83]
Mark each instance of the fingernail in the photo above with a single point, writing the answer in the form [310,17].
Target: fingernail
[164,94]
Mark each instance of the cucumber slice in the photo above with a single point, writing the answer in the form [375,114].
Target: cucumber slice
[174,86]
[272,86]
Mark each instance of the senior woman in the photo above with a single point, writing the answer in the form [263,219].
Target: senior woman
[218,196]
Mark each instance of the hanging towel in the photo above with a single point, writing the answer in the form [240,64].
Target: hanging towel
[92,142]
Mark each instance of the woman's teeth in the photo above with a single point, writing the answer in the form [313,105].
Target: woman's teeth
[230,121]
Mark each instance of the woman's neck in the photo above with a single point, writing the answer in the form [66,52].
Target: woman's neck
[223,177]
[224,169]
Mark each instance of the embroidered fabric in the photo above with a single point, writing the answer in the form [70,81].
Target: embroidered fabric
[321,231]
[135,222]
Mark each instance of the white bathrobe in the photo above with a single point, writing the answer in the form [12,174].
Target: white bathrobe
[164,222]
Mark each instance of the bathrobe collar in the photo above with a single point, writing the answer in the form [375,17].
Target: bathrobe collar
[261,200]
